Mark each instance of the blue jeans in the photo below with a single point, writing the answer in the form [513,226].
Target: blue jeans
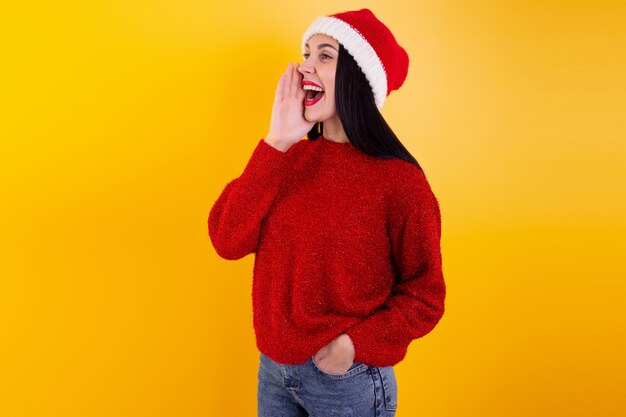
[305,390]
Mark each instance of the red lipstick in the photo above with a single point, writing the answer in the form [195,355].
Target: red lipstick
[305,82]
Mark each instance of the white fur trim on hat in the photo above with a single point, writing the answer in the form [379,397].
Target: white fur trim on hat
[358,47]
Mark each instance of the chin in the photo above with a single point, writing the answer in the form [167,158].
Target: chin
[316,117]
[310,118]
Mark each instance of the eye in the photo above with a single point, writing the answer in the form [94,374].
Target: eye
[305,56]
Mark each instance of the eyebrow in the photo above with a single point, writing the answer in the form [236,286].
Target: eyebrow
[321,45]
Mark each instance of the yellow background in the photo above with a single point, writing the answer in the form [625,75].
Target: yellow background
[122,121]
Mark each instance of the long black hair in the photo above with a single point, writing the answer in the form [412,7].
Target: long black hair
[363,123]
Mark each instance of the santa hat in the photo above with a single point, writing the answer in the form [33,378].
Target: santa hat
[372,45]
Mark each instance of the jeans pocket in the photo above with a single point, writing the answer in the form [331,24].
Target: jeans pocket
[355,368]
[390,387]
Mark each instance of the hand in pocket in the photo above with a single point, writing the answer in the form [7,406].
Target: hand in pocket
[337,356]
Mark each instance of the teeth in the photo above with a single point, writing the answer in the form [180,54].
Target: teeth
[312,87]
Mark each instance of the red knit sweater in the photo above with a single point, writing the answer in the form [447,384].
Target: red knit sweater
[344,243]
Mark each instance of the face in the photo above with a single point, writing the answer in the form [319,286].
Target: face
[319,66]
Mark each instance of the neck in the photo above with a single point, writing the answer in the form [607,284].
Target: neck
[333,130]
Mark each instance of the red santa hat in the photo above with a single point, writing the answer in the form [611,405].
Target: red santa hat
[372,45]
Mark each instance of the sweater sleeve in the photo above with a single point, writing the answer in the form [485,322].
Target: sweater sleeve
[236,217]
[416,302]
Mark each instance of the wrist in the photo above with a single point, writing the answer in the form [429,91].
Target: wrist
[281,145]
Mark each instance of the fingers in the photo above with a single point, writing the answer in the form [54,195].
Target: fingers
[289,83]
[289,80]
[281,90]
[295,80]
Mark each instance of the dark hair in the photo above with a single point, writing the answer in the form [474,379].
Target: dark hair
[363,123]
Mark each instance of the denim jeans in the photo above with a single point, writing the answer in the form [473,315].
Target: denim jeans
[305,390]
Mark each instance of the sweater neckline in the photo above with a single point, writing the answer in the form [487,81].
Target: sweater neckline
[336,154]
[332,142]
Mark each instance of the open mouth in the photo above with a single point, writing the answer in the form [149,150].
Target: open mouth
[312,97]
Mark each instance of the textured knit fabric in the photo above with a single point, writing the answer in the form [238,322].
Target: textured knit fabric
[344,243]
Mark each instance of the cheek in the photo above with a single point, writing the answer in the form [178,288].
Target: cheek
[330,95]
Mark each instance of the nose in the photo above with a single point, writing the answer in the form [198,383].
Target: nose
[305,68]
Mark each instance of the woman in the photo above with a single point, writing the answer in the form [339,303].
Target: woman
[345,228]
